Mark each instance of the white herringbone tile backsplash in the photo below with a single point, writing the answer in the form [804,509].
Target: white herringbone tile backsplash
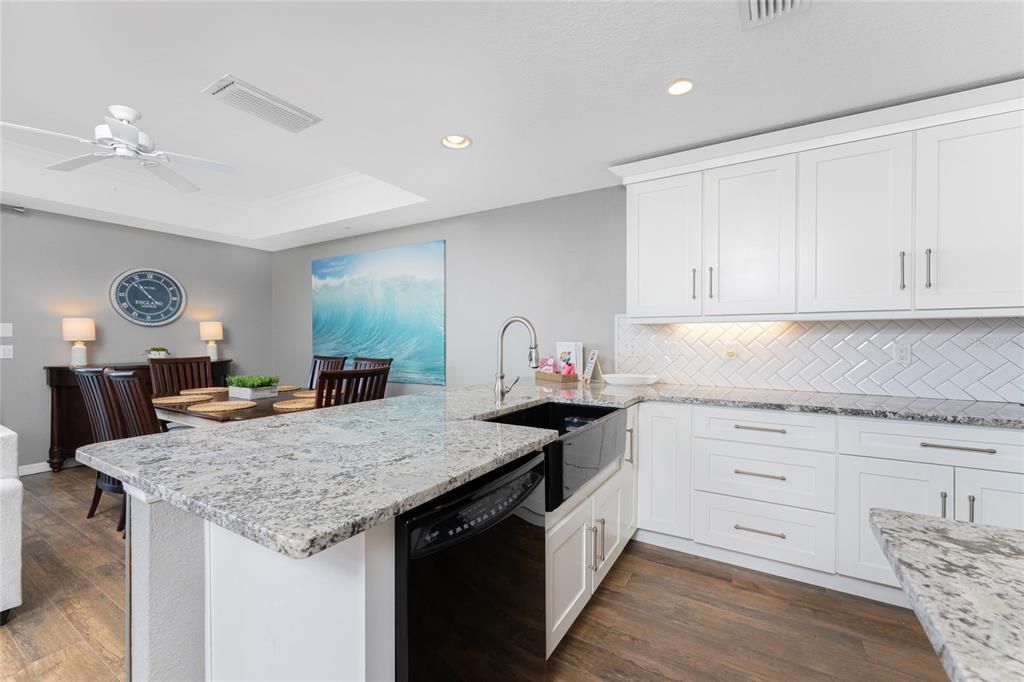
[967,359]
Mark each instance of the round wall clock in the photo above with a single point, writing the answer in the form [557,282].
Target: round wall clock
[148,297]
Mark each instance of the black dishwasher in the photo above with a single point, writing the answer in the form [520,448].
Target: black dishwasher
[470,580]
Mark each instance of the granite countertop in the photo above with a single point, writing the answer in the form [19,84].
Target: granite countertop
[965,582]
[299,483]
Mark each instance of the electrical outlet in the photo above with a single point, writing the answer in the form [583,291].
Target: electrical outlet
[6,352]
[6,329]
[901,354]
[730,350]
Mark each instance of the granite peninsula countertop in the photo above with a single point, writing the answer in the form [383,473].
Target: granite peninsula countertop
[299,483]
[965,582]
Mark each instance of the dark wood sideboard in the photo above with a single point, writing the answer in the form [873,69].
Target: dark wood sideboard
[69,423]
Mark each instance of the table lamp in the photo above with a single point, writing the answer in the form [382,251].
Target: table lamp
[211,332]
[79,330]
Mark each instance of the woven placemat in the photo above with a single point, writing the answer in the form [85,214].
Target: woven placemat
[305,393]
[296,404]
[212,390]
[223,406]
[181,399]
[287,388]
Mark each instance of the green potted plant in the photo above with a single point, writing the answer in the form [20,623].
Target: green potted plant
[252,386]
[156,352]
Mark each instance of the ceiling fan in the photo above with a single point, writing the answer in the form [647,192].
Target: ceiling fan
[120,139]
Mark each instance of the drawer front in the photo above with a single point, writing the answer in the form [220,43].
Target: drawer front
[798,478]
[976,447]
[766,427]
[794,536]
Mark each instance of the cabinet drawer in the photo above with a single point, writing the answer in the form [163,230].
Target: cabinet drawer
[976,447]
[794,536]
[799,478]
[768,427]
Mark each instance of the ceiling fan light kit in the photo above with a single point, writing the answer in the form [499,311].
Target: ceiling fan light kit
[119,138]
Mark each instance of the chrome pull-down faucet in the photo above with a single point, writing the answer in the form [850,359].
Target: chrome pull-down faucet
[500,389]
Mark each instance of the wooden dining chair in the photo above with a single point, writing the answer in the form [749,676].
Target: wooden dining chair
[138,418]
[172,375]
[366,363]
[347,386]
[105,418]
[321,363]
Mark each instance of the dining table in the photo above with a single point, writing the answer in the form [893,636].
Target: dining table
[180,414]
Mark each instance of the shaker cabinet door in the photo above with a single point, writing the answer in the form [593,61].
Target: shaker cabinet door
[749,238]
[995,498]
[855,210]
[663,469]
[970,214]
[663,247]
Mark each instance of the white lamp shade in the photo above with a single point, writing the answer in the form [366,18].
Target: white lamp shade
[79,328]
[211,331]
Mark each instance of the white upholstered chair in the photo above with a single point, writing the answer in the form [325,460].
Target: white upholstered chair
[10,524]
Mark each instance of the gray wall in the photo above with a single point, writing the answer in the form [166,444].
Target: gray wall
[560,262]
[54,266]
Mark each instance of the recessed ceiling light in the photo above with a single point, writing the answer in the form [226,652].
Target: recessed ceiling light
[680,86]
[456,141]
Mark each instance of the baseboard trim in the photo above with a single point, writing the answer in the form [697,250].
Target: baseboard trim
[840,583]
[43,467]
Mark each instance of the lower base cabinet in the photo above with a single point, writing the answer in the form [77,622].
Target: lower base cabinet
[581,550]
[994,498]
[865,483]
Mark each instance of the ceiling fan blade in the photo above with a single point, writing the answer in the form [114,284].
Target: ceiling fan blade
[79,161]
[170,177]
[193,161]
[51,133]
[123,132]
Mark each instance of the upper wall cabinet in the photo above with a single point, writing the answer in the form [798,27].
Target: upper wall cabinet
[663,247]
[912,211]
[749,234]
[970,214]
[855,213]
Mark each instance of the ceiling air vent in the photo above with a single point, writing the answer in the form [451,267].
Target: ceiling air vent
[239,94]
[754,13]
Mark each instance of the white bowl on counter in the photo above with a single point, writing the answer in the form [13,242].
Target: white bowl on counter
[630,379]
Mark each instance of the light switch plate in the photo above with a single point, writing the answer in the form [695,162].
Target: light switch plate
[6,352]
[6,329]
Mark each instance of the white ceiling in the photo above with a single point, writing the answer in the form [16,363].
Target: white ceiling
[552,93]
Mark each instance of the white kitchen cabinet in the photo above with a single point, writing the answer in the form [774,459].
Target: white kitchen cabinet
[969,236]
[663,231]
[864,484]
[663,469]
[854,208]
[749,238]
[569,569]
[609,515]
[994,498]
[629,510]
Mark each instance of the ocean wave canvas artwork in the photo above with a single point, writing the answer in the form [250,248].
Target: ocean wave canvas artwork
[384,304]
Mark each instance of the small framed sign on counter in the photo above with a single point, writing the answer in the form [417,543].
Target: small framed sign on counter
[592,364]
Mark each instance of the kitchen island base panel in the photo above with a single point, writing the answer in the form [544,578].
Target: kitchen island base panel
[166,570]
[205,603]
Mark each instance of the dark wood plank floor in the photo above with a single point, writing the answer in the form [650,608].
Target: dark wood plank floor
[71,625]
[658,615]
[661,615]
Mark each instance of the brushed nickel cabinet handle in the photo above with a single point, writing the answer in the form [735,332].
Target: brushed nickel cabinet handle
[942,499]
[601,553]
[961,448]
[629,447]
[766,429]
[903,269]
[781,536]
[593,566]
[927,268]
[970,508]
[711,282]
[693,285]
[741,472]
